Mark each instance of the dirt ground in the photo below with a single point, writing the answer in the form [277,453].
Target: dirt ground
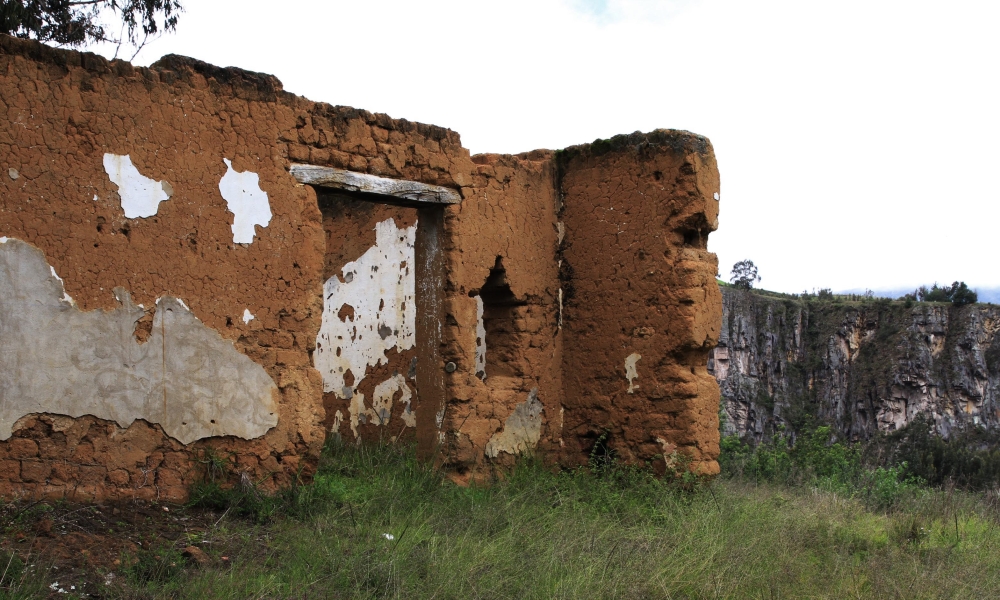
[91,551]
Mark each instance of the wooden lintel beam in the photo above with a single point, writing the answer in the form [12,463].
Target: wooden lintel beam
[352,181]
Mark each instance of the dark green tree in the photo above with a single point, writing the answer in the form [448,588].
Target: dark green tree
[79,22]
[957,293]
[962,295]
[744,274]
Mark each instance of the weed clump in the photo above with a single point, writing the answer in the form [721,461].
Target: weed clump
[815,458]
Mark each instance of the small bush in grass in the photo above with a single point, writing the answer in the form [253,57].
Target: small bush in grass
[158,564]
[815,458]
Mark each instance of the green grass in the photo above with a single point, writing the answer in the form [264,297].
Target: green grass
[622,534]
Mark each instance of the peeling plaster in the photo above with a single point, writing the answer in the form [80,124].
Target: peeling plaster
[247,202]
[338,418]
[559,319]
[55,358]
[358,414]
[140,196]
[562,422]
[376,298]
[480,340]
[630,372]
[521,431]
[382,400]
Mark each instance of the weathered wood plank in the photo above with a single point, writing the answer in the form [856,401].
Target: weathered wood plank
[352,181]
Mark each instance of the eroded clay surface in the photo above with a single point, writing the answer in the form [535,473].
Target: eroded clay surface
[639,281]
[55,358]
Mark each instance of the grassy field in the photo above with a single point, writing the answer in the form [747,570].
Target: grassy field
[377,524]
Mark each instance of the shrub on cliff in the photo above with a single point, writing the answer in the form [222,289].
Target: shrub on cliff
[958,294]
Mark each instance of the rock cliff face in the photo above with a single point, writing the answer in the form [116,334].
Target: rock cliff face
[862,367]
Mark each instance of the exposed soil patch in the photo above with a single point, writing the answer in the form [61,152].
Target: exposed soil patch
[91,550]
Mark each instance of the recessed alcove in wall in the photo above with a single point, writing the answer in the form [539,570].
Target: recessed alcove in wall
[502,322]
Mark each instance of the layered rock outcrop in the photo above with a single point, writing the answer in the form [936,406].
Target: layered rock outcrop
[864,367]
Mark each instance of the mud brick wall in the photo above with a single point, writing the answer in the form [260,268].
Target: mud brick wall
[177,122]
[641,303]
[169,292]
[502,309]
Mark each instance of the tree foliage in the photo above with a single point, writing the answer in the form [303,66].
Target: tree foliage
[79,22]
[958,294]
[744,274]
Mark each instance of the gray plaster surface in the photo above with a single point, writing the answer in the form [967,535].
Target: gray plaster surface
[55,358]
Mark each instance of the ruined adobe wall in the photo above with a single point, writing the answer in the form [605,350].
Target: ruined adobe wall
[175,286]
[611,310]
[177,122]
[642,307]
[502,312]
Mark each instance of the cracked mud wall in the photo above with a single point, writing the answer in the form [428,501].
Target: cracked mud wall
[510,215]
[638,281]
[534,259]
[178,122]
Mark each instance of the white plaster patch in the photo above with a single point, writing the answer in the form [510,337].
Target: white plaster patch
[58,359]
[630,372]
[382,399]
[358,413]
[338,419]
[480,340]
[247,316]
[409,416]
[66,297]
[439,418]
[522,429]
[560,318]
[376,297]
[247,202]
[141,196]
[560,233]
[562,421]
[716,195]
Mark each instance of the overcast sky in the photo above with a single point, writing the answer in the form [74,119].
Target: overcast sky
[857,141]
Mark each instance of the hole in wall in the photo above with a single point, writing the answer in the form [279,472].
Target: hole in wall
[602,455]
[503,320]
[694,239]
